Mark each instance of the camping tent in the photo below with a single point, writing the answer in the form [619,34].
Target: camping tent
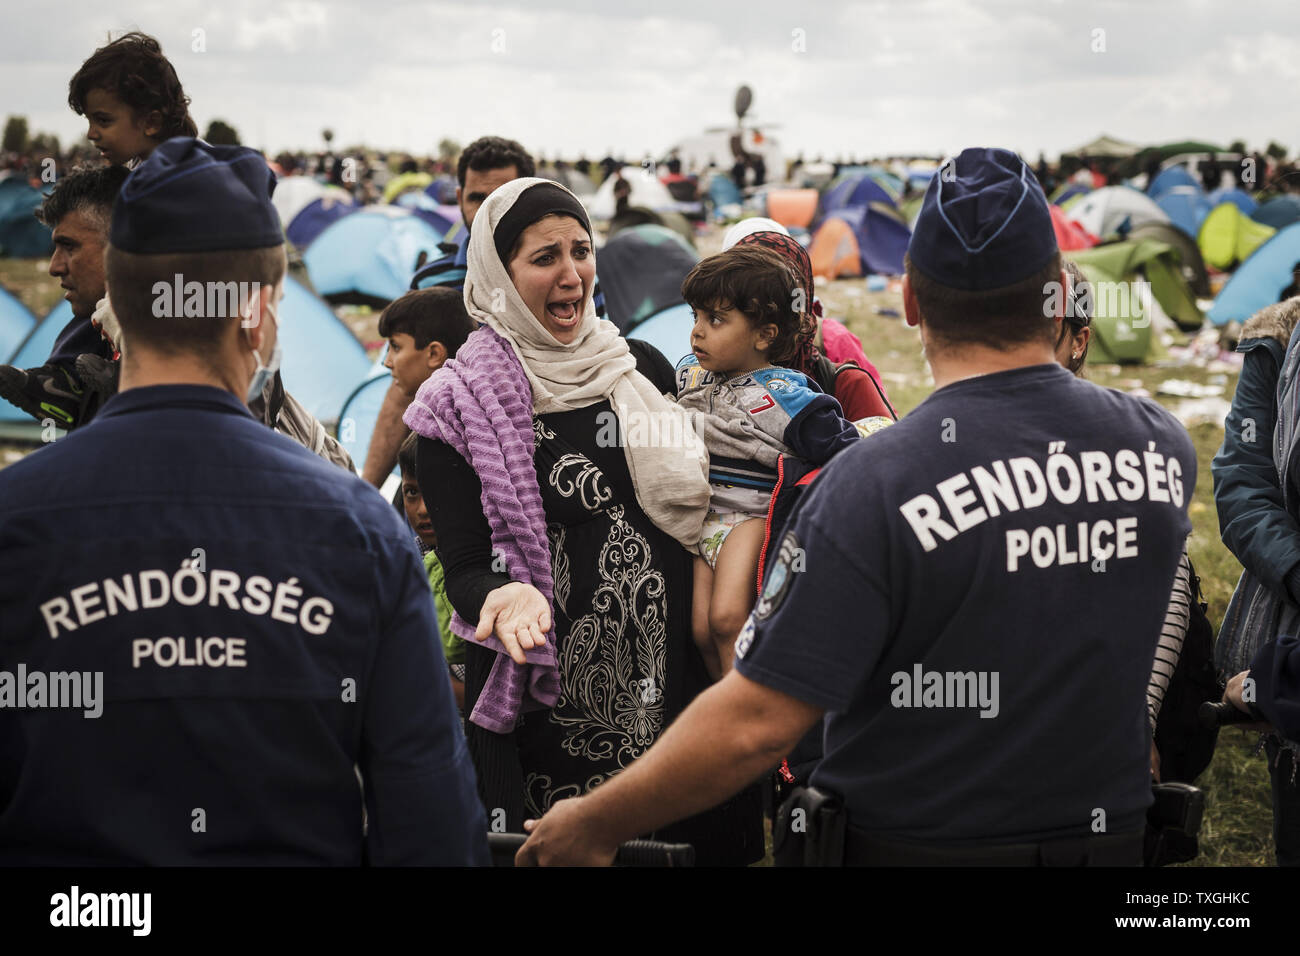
[442,217]
[359,413]
[1121,327]
[834,250]
[1120,263]
[1278,212]
[22,236]
[1063,193]
[294,193]
[1171,177]
[647,191]
[792,207]
[31,352]
[1111,210]
[322,358]
[1186,207]
[315,217]
[1228,236]
[15,323]
[1104,146]
[370,255]
[669,331]
[1192,265]
[579,184]
[1239,198]
[641,273]
[882,236]
[406,182]
[1070,235]
[853,190]
[1261,278]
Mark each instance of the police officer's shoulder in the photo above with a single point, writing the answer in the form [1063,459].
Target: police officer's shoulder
[1145,416]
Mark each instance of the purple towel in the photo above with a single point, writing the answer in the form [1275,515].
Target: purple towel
[480,403]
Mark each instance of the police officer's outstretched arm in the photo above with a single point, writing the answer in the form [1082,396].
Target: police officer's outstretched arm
[421,796]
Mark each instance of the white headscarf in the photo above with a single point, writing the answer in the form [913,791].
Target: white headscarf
[670,475]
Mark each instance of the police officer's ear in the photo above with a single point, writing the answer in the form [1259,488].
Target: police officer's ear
[911,310]
[261,305]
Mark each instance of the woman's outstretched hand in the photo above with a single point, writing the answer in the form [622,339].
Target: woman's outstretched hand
[519,615]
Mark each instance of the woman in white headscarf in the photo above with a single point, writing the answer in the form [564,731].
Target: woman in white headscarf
[562,486]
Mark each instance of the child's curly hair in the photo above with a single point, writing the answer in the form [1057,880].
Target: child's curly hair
[133,69]
[761,285]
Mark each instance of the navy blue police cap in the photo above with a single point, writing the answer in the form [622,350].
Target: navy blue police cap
[189,196]
[984,223]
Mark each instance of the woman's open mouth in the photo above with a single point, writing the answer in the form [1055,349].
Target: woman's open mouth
[565,313]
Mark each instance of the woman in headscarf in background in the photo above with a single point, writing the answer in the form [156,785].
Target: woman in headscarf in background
[561,519]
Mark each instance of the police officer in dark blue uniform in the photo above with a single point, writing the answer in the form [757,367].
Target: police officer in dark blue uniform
[215,647]
[972,596]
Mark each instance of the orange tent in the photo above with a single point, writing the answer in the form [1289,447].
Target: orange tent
[792,207]
[834,250]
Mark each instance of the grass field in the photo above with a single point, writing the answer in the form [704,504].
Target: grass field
[1236,830]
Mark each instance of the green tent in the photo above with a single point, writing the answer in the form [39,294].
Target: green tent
[1228,236]
[1159,262]
[1121,327]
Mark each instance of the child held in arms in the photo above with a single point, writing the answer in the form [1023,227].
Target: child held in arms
[750,316]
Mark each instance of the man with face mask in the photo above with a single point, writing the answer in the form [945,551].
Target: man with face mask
[248,630]
[78,211]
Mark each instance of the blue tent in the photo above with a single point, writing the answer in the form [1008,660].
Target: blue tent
[443,190]
[669,331]
[1260,279]
[882,237]
[854,191]
[317,216]
[15,323]
[723,192]
[1186,207]
[1069,192]
[1278,212]
[1169,178]
[1242,200]
[32,353]
[22,236]
[359,413]
[369,256]
[322,358]
[442,217]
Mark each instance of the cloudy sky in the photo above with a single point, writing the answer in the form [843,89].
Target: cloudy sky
[876,78]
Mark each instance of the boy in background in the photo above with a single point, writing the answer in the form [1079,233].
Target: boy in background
[424,328]
[453,648]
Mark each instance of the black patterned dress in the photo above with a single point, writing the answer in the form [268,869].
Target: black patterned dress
[622,606]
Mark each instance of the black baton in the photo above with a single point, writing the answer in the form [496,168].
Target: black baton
[504,846]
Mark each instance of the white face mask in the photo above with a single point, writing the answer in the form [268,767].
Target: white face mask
[262,374]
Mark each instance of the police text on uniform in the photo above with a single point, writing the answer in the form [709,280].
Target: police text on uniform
[189,587]
[1022,482]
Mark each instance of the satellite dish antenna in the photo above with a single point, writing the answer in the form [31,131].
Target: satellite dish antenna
[744,97]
